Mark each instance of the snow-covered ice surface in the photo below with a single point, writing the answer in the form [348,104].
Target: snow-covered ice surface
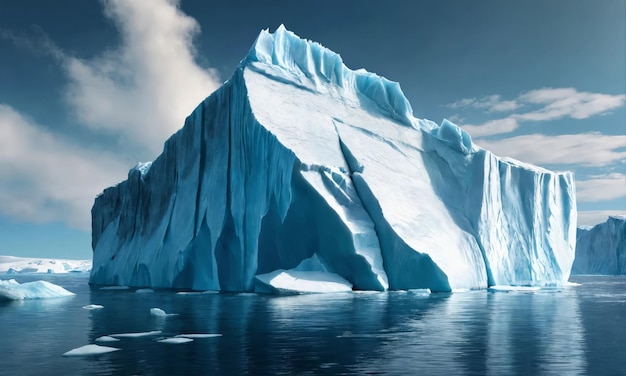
[12,290]
[601,249]
[12,264]
[297,155]
[90,350]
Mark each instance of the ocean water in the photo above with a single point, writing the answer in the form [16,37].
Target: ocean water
[576,330]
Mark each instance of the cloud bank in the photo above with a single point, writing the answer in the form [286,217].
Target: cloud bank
[141,92]
[537,105]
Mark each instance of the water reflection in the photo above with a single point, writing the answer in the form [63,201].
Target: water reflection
[472,333]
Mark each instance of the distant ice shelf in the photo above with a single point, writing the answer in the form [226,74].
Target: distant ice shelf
[22,265]
[295,158]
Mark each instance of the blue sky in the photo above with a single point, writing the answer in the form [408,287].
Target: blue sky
[89,88]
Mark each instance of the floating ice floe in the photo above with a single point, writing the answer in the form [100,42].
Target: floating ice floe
[514,288]
[176,340]
[90,350]
[136,334]
[106,339]
[93,306]
[115,288]
[198,335]
[13,290]
[158,312]
[144,291]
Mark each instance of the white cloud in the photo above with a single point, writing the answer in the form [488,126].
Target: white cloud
[601,188]
[587,149]
[44,178]
[593,217]
[492,127]
[554,103]
[140,91]
[491,103]
[144,89]
[568,102]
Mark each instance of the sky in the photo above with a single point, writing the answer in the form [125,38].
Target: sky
[90,88]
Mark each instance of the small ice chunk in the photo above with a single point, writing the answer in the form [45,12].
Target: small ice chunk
[144,291]
[176,340]
[90,350]
[93,306]
[198,335]
[513,288]
[138,334]
[158,312]
[106,339]
[115,288]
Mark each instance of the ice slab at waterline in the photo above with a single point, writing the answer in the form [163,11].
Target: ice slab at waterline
[12,290]
[20,265]
[90,350]
[297,155]
[158,312]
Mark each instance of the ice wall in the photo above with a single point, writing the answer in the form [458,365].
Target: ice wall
[297,155]
[601,249]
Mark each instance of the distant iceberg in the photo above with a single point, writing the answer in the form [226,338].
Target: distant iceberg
[297,155]
[601,249]
[22,265]
[12,290]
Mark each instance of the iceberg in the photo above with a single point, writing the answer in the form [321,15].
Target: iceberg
[296,155]
[21,265]
[13,290]
[601,249]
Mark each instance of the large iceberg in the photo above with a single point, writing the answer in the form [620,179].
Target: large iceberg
[601,249]
[297,155]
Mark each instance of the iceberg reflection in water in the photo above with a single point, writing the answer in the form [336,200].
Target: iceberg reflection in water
[568,330]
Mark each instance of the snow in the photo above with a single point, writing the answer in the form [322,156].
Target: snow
[601,249]
[93,306]
[144,291]
[12,290]
[20,265]
[296,157]
[90,350]
[175,340]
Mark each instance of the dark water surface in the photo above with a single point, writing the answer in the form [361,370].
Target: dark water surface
[572,331]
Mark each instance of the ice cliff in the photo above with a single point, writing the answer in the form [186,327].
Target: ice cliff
[298,156]
[601,249]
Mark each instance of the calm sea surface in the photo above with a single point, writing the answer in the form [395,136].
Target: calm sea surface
[572,331]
